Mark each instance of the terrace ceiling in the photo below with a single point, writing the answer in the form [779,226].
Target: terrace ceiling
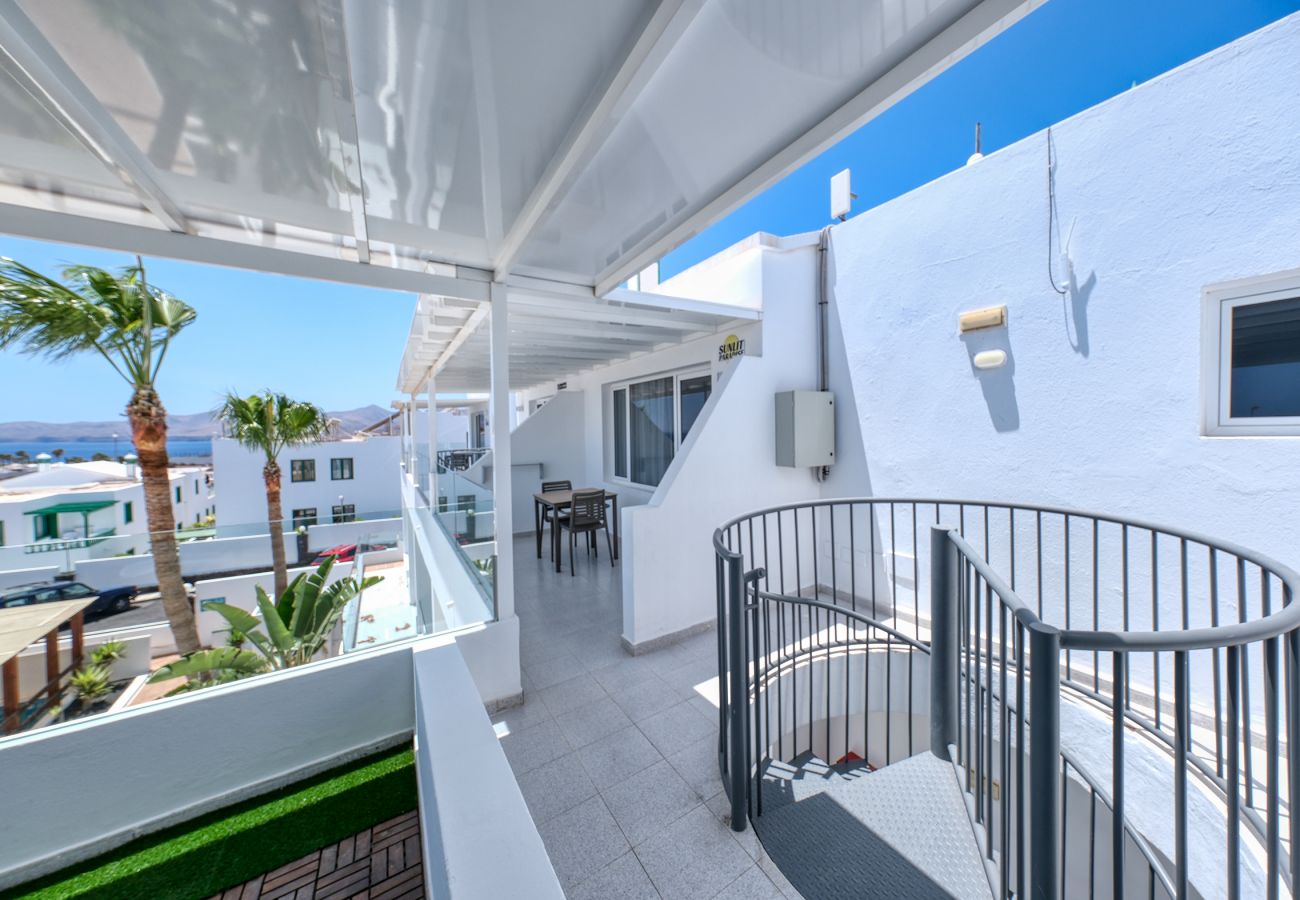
[551,337]
[437,145]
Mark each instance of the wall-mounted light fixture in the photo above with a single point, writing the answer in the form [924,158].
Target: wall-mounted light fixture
[975,319]
[990,359]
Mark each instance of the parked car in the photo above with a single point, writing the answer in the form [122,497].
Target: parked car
[106,602]
[347,552]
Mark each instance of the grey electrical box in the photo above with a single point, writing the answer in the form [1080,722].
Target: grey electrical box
[805,429]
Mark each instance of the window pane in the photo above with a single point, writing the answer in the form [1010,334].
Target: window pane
[620,433]
[694,391]
[1266,359]
[651,411]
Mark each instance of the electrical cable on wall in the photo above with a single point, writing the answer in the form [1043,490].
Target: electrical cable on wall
[1051,219]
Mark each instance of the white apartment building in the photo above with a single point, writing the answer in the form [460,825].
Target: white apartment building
[321,483]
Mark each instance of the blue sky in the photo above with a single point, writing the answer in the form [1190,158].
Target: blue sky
[338,345]
[1064,57]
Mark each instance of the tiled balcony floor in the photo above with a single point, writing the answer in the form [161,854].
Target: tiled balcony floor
[615,754]
[380,863]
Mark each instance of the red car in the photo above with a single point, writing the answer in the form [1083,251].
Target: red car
[347,552]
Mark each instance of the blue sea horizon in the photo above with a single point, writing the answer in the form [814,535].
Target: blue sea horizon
[179,448]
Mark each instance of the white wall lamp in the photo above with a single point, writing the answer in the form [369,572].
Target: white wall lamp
[981,320]
[990,359]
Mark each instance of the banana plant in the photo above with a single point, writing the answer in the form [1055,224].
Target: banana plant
[289,632]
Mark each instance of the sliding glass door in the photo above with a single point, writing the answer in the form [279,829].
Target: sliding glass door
[650,420]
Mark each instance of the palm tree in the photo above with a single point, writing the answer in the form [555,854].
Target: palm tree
[130,323]
[57,452]
[271,423]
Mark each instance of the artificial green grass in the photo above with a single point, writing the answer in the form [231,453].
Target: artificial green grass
[229,846]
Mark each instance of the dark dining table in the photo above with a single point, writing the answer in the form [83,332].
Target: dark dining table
[557,501]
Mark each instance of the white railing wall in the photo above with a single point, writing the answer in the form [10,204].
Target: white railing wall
[470,803]
[74,790]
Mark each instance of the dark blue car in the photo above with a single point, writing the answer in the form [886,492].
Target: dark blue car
[113,600]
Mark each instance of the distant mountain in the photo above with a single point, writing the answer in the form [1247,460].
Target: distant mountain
[194,425]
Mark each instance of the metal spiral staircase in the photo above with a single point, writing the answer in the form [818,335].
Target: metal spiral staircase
[970,699]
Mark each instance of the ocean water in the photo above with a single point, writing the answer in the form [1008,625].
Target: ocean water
[181,448]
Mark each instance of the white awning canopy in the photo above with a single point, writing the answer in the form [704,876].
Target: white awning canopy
[437,145]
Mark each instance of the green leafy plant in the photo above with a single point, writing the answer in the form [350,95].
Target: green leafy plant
[91,683]
[130,324]
[236,638]
[108,652]
[290,631]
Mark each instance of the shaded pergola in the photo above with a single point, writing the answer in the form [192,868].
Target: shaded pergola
[83,508]
[23,626]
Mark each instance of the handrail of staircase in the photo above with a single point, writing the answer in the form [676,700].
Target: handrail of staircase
[992,674]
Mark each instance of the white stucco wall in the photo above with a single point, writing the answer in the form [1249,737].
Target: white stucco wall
[728,464]
[374,487]
[1191,179]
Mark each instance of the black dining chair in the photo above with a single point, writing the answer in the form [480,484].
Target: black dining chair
[586,516]
[548,512]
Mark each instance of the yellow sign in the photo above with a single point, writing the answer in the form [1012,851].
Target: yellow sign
[731,348]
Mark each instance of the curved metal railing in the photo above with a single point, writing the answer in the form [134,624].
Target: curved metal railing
[1130,618]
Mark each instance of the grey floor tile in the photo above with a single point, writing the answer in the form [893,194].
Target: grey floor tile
[720,806]
[531,712]
[592,722]
[623,879]
[690,679]
[552,671]
[694,857]
[698,766]
[676,727]
[649,800]
[539,646]
[645,698]
[607,652]
[618,756]
[582,841]
[627,673]
[752,885]
[572,694]
[534,746]
[556,787]
[706,707]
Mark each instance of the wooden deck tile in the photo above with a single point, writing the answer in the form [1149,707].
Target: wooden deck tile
[380,863]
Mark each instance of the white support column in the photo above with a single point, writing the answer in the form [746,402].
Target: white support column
[499,424]
[433,424]
[408,435]
[431,438]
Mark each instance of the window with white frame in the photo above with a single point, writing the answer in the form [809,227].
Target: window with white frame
[650,419]
[1251,357]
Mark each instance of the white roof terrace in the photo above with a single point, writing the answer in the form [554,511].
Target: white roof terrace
[436,146]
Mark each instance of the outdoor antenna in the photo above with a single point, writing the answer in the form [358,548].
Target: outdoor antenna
[842,196]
